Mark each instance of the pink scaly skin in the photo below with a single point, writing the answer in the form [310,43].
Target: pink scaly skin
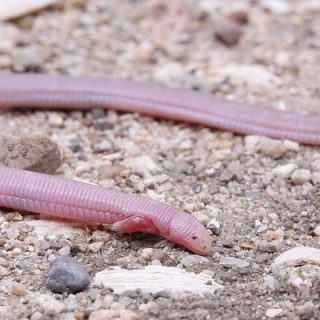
[60,197]
[65,92]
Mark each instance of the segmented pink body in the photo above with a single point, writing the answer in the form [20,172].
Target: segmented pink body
[44,91]
[60,197]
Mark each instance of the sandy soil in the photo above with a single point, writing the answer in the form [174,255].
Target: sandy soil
[273,59]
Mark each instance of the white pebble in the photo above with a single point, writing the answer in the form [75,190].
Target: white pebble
[291,145]
[96,246]
[272,313]
[285,170]
[147,253]
[64,251]
[193,259]
[251,142]
[300,176]
[13,233]
[204,219]
[230,261]
[16,251]
[271,147]
[262,228]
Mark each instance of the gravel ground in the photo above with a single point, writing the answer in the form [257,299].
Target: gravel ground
[263,193]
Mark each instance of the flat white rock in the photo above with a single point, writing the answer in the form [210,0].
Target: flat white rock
[272,313]
[53,229]
[153,279]
[10,9]
[297,256]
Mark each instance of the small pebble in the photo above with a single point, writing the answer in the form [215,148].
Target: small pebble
[239,16]
[96,246]
[230,262]
[103,146]
[67,275]
[271,147]
[108,172]
[97,113]
[13,232]
[147,253]
[203,218]
[16,251]
[64,251]
[262,228]
[272,313]
[251,142]
[228,32]
[102,126]
[284,171]
[55,120]
[300,176]
[193,259]
[247,245]
[291,145]
[18,289]
[99,236]
[214,226]
[189,207]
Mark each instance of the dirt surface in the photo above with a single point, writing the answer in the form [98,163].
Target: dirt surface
[273,58]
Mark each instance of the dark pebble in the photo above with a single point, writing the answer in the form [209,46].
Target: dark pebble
[239,16]
[228,33]
[98,113]
[74,250]
[103,126]
[67,275]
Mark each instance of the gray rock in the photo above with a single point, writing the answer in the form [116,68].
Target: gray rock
[193,259]
[271,147]
[35,153]
[233,262]
[228,32]
[67,275]
[98,113]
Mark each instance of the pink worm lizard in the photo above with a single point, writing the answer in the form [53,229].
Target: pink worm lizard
[55,196]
